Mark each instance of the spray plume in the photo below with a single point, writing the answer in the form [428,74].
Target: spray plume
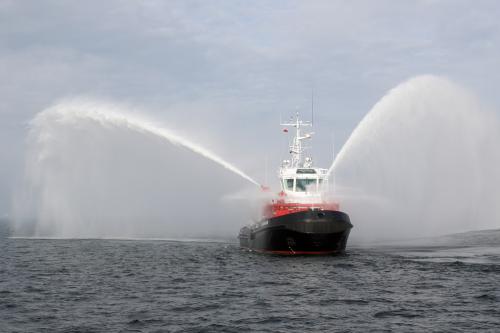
[423,161]
[110,115]
[95,170]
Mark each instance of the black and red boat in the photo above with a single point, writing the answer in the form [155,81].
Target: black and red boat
[301,219]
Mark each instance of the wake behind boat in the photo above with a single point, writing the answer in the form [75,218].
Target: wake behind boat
[301,219]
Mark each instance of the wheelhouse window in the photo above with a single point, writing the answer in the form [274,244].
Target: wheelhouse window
[304,185]
[306,171]
[289,184]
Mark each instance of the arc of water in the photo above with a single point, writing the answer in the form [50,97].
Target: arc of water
[64,111]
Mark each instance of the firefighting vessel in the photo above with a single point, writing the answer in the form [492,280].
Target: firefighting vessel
[300,219]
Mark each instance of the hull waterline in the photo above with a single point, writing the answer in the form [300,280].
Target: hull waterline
[311,232]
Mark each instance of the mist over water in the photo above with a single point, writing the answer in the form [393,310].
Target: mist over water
[95,170]
[424,161]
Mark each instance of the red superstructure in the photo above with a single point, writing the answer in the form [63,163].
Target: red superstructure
[280,207]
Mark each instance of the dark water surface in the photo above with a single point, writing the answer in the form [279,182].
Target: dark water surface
[169,286]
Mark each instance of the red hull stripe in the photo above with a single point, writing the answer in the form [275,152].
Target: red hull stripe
[280,208]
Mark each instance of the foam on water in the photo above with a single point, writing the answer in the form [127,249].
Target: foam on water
[423,161]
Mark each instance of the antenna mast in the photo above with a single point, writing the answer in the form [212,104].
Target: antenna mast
[312,106]
[296,148]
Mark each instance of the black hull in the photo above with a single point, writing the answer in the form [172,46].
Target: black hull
[306,232]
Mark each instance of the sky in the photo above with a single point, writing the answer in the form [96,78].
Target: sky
[223,72]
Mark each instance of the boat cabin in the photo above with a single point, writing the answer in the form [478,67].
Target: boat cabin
[303,180]
[298,177]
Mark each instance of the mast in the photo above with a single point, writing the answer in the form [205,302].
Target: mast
[312,106]
[296,148]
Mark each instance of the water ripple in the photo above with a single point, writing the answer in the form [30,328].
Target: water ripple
[163,286]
